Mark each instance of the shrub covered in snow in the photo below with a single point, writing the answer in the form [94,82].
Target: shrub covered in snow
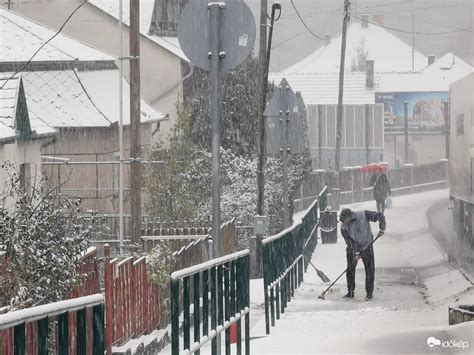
[42,239]
[180,189]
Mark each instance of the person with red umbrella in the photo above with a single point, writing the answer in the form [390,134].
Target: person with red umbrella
[381,187]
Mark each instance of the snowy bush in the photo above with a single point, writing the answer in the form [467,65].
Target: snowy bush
[42,238]
[180,189]
[161,263]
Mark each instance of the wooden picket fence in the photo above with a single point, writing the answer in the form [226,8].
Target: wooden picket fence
[89,286]
[132,299]
[132,304]
[6,337]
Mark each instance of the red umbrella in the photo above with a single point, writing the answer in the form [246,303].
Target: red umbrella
[372,168]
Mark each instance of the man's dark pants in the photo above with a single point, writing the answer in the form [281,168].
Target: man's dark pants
[369,265]
[380,205]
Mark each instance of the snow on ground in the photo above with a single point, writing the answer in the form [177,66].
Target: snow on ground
[414,286]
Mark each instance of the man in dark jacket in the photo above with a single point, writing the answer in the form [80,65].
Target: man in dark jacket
[355,229]
[381,187]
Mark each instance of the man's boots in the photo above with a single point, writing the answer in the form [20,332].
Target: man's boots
[369,296]
[349,294]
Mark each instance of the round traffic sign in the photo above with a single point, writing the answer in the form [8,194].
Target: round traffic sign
[237,33]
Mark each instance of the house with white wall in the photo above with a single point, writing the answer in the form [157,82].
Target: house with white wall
[163,64]
[22,134]
[72,87]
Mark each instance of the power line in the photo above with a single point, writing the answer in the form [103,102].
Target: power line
[44,44]
[423,21]
[412,32]
[286,41]
[310,13]
[302,21]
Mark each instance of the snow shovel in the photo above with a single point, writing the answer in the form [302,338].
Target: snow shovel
[321,296]
[321,274]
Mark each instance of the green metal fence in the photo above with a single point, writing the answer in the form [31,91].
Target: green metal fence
[286,257]
[217,293]
[38,319]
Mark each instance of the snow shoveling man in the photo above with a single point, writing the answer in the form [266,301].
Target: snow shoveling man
[355,229]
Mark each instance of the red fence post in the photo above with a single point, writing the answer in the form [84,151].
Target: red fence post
[146,303]
[108,278]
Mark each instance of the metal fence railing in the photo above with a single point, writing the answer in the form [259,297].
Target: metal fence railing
[28,331]
[285,260]
[221,287]
[354,183]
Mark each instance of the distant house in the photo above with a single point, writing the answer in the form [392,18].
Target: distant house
[362,128]
[164,66]
[73,88]
[22,134]
[365,41]
[400,74]
[317,78]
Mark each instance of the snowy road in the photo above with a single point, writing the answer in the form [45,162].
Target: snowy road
[414,286]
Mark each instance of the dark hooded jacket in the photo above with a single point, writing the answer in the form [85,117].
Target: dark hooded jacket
[358,234]
[381,186]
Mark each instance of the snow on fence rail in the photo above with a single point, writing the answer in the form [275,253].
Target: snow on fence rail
[27,331]
[225,282]
[89,286]
[355,187]
[285,260]
[132,305]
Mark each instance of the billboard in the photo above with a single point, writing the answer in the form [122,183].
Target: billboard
[425,112]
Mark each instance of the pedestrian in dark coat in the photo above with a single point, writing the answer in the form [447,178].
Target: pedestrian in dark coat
[355,229]
[382,189]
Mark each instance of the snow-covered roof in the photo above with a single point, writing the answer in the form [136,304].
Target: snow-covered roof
[323,89]
[71,98]
[435,78]
[21,37]
[8,106]
[389,52]
[111,7]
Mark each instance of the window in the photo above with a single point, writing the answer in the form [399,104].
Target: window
[25,177]
[460,124]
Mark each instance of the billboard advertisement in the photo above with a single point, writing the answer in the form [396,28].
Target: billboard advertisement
[425,112]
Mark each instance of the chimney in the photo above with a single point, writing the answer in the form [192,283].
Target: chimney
[365,21]
[165,17]
[369,74]
[327,38]
[431,59]
[380,19]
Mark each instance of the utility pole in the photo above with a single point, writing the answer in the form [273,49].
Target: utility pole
[447,128]
[345,22]
[285,120]
[471,42]
[366,133]
[135,150]
[405,109]
[413,41]
[121,157]
[215,18]
[262,97]
[9,4]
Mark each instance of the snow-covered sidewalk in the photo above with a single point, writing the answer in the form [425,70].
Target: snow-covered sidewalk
[414,286]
